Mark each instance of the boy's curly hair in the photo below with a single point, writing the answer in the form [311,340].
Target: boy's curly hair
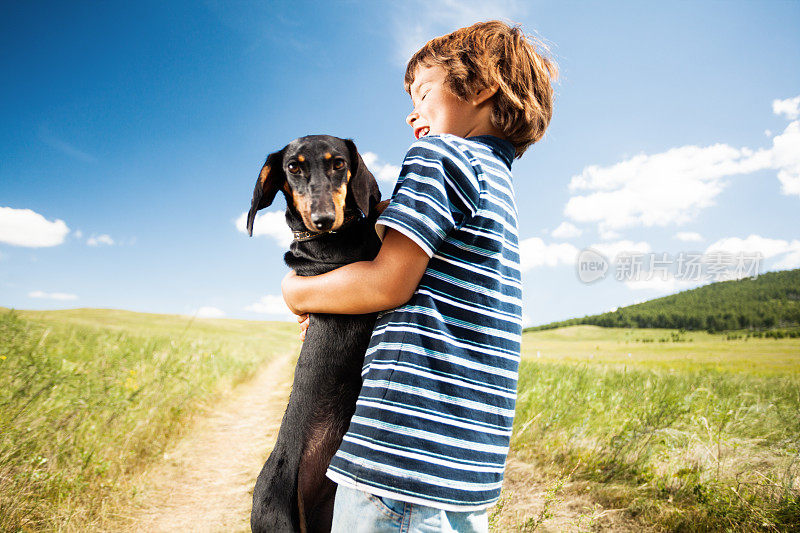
[493,53]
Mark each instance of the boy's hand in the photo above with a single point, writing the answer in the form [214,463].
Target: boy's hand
[304,321]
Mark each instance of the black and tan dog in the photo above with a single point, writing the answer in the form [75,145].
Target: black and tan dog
[332,204]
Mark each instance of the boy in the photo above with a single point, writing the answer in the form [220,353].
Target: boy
[427,445]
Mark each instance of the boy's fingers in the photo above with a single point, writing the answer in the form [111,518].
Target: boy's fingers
[304,321]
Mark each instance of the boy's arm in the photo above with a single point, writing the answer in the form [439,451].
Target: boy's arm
[363,287]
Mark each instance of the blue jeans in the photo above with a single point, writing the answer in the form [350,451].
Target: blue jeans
[355,511]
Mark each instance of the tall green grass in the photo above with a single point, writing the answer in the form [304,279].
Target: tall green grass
[88,397]
[685,450]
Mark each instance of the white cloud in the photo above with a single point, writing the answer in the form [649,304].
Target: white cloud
[565,230]
[791,260]
[52,295]
[271,305]
[382,171]
[672,187]
[609,235]
[786,252]
[654,190]
[768,248]
[785,155]
[100,239]
[209,312]
[412,31]
[790,107]
[612,249]
[78,234]
[271,224]
[23,227]
[535,253]
[688,236]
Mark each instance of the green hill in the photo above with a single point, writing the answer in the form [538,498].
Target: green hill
[770,301]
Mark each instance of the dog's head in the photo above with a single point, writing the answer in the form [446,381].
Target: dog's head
[320,176]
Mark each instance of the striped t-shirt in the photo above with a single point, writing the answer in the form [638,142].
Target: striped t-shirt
[433,419]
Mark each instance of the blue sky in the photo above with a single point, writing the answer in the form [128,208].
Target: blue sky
[132,135]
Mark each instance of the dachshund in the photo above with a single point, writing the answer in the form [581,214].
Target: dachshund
[332,204]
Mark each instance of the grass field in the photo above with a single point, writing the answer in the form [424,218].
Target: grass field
[664,349]
[686,431]
[681,431]
[89,396]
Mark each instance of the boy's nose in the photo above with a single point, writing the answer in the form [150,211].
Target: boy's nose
[411,118]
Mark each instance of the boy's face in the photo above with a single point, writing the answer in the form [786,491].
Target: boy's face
[436,108]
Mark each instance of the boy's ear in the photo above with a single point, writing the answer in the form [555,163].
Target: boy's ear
[362,188]
[270,180]
[484,94]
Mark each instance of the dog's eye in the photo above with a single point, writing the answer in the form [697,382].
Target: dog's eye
[294,168]
[338,164]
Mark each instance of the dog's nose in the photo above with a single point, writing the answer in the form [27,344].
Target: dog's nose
[322,221]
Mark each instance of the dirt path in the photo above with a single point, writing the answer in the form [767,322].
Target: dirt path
[204,482]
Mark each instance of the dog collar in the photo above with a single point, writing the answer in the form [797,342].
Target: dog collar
[300,236]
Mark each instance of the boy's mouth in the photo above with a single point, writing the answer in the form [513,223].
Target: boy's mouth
[421,132]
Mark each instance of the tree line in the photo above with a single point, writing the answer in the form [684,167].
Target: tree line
[772,300]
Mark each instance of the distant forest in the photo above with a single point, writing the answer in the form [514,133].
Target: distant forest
[770,301]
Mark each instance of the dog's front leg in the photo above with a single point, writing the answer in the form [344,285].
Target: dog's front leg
[275,493]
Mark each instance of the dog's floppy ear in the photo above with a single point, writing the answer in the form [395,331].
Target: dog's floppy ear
[362,188]
[270,180]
